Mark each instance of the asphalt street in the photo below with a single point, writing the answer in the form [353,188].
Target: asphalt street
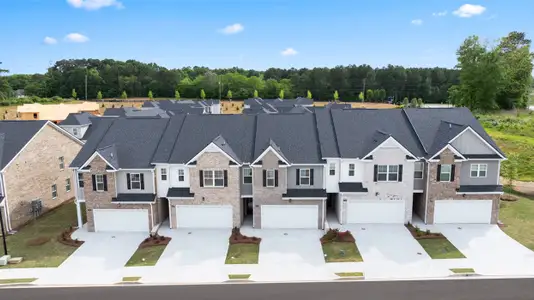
[468,289]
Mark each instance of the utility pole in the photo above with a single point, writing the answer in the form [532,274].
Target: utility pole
[364,81]
[3,231]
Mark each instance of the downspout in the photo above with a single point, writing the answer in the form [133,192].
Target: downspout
[170,213]
[152,216]
[427,191]
[78,208]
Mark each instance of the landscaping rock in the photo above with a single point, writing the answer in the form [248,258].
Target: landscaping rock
[14,260]
[4,260]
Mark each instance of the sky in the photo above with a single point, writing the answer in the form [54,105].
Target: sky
[252,34]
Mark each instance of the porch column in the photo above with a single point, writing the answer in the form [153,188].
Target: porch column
[79,214]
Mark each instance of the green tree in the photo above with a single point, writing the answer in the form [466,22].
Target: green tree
[256,95]
[420,102]
[74,94]
[176,95]
[414,102]
[281,94]
[382,95]
[370,96]
[99,95]
[124,95]
[202,94]
[406,102]
[509,168]
[229,95]
[361,97]
[336,96]
[150,95]
[309,95]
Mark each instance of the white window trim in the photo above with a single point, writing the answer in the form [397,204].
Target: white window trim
[415,171]
[353,169]
[449,172]
[388,172]
[245,176]
[164,173]
[54,191]
[332,167]
[101,181]
[67,185]
[136,181]
[183,175]
[478,170]
[305,177]
[61,163]
[267,178]
[213,171]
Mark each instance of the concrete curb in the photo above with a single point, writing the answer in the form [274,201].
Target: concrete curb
[465,275]
[341,278]
[238,281]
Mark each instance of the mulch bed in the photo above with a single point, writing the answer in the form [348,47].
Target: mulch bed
[38,241]
[155,240]
[237,238]
[336,236]
[509,197]
[65,238]
[419,234]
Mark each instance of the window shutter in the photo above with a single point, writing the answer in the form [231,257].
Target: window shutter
[275,177]
[201,178]
[264,177]
[453,167]
[93,178]
[142,181]
[311,176]
[225,178]
[400,173]
[375,176]
[439,172]
[105,182]
[128,184]
[298,177]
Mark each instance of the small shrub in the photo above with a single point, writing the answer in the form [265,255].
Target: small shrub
[334,235]
[237,238]
[509,197]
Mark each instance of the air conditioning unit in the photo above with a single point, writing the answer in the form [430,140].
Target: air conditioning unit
[36,207]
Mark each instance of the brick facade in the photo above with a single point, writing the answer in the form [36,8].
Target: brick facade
[31,175]
[102,200]
[229,195]
[447,190]
[273,195]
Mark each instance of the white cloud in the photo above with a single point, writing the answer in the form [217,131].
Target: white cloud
[232,29]
[76,38]
[94,4]
[417,22]
[440,14]
[469,10]
[49,40]
[289,52]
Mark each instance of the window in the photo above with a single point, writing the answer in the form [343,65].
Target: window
[270,178]
[479,170]
[75,131]
[181,175]
[388,173]
[80,180]
[67,184]
[418,170]
[445,173]
[54,191]
[213,178]
[351,169]
[332,171]
[164,174]
[35,116]
[99,178]
[135,181]
[247,175]
[62,163]
[304,177]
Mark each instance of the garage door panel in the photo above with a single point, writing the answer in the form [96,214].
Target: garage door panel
[121,220]
[289,216]
[462,211]
[373,211]
[204,216]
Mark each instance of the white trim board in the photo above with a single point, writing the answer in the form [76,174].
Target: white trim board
[397,144]
[478,135]
[450,147]
[210,145]
[270,148]
[88,161]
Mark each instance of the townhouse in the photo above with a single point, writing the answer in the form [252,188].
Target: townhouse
[289,170]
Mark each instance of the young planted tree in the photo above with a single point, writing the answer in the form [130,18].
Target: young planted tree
[124,95]
[370,95]
[361,97]
[405,102]
[150,95]
[509,169]
[382,95]
[176,95]
[74,94]
[336,96]
[414,102]
[281,94]
[229,95]
[420,102]
[256,95]
[99,95]
[202,94]
[309,95]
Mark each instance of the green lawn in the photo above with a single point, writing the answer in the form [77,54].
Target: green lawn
[147,256]
[130,279]
[238,276]
[341,252]
[462,270]
[242,254]
[350,274]
[50,225]
[440,248]
[17,280]
[518,217]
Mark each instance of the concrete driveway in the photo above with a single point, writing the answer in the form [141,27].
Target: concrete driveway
[489,250]
[99,260]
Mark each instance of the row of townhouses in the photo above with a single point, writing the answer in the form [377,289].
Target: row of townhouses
[288,170]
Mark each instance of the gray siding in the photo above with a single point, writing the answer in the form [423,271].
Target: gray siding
[246,189]
[317,178]
[469,143]
[490,179]
[122,186]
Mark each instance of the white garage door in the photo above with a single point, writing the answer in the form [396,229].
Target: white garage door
[204,216]
[133,220]
[376,211]
[463,211]
[289,216]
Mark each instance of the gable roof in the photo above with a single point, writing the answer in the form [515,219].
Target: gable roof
[326,133]
[14,136]
[83,118]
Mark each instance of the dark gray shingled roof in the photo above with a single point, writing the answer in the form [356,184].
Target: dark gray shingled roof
[134,141]
[305,193]
[14,135]
[294,134]
[198,131]
[136,112]
[180,193]
[480,189]
[432,126]
[352,187]
[83,118]
[325,130]
[359,131]
[169,138]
